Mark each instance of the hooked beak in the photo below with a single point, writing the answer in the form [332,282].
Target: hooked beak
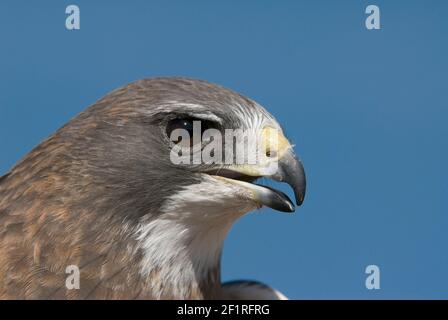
[291,171]
[288,169]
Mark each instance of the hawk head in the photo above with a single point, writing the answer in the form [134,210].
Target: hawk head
[109,186]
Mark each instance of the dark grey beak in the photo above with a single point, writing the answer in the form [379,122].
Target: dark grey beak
[291,171]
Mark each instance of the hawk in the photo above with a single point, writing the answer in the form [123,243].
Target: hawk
[103,194]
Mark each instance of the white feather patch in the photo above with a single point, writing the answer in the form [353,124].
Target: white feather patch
[185,241]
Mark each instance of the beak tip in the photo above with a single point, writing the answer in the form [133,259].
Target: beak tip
[292,172]
[289,209]
[299,200]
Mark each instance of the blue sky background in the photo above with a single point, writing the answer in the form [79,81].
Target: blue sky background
[367,110]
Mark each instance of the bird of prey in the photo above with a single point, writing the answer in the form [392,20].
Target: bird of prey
[102,194]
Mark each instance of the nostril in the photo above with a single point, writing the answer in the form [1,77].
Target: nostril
[270,153]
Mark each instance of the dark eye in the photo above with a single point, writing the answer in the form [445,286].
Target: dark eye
[186,126]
